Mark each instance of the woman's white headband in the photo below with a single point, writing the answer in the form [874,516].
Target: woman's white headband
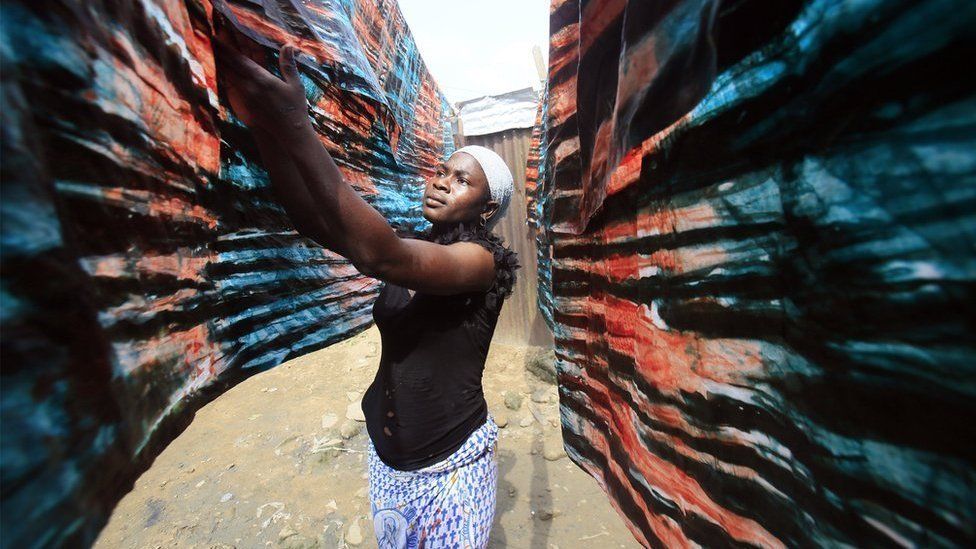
[500,180]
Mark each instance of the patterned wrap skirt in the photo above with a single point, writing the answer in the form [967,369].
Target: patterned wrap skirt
[448,504]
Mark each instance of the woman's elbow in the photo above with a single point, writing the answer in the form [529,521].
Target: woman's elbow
[373,268]
[380,261]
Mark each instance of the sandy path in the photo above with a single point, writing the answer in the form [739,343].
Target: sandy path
[275,462]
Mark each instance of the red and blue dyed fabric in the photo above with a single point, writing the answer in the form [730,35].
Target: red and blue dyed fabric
[763,218]
[537,213]
[146,265]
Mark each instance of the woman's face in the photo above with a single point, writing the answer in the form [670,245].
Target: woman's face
[458,191]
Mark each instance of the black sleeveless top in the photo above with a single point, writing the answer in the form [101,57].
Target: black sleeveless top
[427,396]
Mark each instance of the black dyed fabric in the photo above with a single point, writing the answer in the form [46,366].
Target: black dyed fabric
[427,396]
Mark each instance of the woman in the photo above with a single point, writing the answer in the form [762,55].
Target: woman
[432,468]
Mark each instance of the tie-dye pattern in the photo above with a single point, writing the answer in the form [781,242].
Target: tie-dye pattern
[761,223]
[146,264]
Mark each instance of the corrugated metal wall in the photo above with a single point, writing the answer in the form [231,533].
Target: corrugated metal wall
[520,323]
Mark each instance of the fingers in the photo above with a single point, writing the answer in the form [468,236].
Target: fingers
[229,59]
[286,63]
[227,51]
[237,62]
[227,31]
[250,48]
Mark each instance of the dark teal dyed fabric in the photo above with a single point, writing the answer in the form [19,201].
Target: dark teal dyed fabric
[145,265]
[763,236]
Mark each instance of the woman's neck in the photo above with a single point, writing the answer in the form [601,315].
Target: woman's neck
[439,229]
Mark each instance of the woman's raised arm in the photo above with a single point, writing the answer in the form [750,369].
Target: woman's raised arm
[313,192]
[292,194]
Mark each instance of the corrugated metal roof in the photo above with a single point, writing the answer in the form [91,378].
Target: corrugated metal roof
[495,113]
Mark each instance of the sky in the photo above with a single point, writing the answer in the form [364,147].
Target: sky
[479,47]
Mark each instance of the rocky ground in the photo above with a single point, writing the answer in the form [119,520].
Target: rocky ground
[278,461]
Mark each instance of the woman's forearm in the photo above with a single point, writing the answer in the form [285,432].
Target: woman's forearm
[293,195]
[332,205]
[321,204]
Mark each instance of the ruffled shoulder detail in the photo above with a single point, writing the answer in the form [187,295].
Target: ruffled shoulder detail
[506,259]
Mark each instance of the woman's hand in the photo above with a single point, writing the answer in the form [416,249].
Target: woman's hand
[260,99]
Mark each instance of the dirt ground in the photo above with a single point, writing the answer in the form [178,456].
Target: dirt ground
[278,461]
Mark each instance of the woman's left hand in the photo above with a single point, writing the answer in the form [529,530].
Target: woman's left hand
[259,98]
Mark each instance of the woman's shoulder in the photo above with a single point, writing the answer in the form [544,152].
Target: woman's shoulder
[506,259]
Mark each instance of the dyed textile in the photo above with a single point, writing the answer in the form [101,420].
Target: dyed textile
[534,170]
[146,266]
[446,505]
[762,287]
[537,208]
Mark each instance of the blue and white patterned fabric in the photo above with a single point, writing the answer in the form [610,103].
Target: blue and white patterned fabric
[448,504]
